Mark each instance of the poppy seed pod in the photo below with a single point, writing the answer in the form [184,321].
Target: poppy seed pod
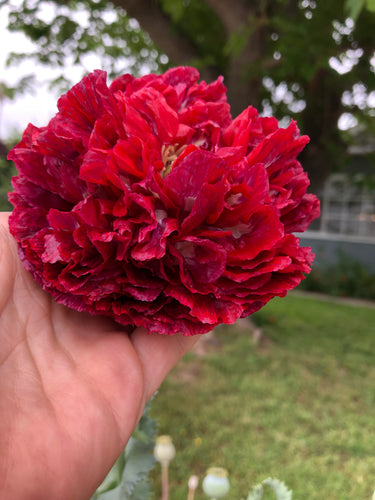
[164,450]
[216,483]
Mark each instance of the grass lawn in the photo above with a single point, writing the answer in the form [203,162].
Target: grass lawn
[299,406]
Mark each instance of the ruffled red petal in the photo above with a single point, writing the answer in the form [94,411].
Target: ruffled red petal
[144,201]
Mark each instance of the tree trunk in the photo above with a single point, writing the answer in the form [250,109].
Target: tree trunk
[244,78]
[157,24]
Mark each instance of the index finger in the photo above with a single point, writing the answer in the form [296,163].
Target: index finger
[158,354]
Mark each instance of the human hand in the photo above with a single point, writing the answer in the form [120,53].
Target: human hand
[72,387]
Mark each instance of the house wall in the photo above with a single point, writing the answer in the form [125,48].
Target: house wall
[327,248]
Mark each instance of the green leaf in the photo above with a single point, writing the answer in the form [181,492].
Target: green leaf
[278,487]
[113,478]
[238,40]
[139,459]
[370,5]
[256,493]
[174,9]
[110,495]
[354,8]
[142,491]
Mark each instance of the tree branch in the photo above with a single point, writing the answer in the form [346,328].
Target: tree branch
[152,19]
[233,14]
[3,149]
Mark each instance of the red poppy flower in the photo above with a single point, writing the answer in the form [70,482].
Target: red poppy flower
[144,201]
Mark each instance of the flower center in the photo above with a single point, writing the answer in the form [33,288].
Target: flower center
[170,153]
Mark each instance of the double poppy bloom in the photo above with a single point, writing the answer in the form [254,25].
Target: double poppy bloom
[146,202]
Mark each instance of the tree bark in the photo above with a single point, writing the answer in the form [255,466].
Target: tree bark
[232,14]
[157,24]
[244,77]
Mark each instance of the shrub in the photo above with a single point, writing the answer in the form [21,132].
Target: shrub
[346,278]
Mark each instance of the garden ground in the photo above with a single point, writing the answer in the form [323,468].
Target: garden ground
[298,403]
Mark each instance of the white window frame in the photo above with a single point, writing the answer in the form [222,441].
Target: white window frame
[336,211]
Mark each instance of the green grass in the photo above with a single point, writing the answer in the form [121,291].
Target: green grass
[299,406]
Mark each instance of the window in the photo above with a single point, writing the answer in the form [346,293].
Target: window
[348,207]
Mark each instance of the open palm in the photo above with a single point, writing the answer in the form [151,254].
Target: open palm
[72,387]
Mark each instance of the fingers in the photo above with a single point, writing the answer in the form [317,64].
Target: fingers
[8,247]
[8,260]
[4,216]
[158,355]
